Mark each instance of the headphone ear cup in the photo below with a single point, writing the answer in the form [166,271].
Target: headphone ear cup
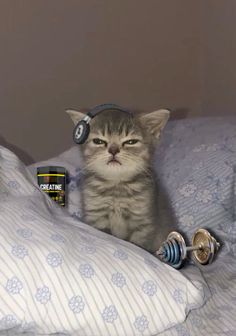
[81,132]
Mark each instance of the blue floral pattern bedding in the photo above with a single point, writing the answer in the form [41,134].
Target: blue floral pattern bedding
[196,164]
[59,275]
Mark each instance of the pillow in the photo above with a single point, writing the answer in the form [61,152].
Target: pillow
[59,275]
[196,163]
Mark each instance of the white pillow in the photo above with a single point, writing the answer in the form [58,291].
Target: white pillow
[60,275]
[196,163]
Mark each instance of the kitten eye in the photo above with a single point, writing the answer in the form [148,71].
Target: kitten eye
[131,142]
[98,141]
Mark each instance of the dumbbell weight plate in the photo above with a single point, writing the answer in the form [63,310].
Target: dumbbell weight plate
[208,246]
[182,245]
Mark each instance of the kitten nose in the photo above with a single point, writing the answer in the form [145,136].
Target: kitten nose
[113,149]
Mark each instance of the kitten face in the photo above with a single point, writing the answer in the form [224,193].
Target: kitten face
[116,148]
[119,145]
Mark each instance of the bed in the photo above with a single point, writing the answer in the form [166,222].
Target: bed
[47,283]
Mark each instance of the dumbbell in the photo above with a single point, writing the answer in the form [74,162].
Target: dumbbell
[174,250]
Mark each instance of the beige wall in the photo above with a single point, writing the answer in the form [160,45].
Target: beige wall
[142,54]
[219,47]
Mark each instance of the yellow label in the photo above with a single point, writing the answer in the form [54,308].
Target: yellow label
[51,174]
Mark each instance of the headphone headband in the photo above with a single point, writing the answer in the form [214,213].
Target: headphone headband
[82,129]
[100,108]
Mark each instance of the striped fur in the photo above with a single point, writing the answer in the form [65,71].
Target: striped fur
[122,198]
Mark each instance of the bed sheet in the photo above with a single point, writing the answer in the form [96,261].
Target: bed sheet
[218,315]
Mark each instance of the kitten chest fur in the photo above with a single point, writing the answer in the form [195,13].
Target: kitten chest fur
[122,209]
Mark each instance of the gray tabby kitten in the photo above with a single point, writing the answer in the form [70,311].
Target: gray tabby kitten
[120,194]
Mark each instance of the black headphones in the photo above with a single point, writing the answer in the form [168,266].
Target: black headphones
[82,129]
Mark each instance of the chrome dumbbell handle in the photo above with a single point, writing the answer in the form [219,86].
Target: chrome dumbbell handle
[193,248]
[174,250]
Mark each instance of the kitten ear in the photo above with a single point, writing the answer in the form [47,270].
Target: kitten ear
[76,116]
[155,121]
